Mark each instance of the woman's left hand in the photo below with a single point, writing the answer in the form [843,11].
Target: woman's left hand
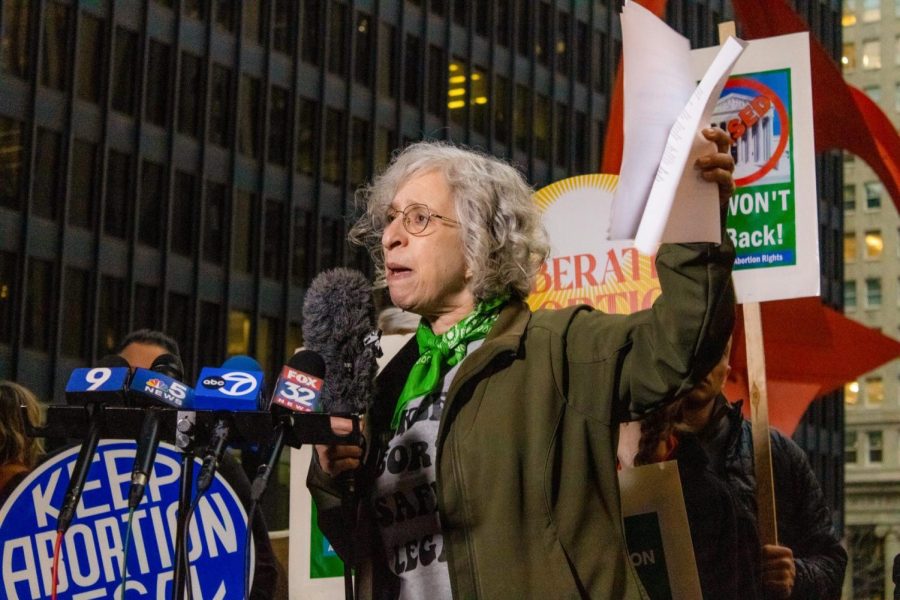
[718,167]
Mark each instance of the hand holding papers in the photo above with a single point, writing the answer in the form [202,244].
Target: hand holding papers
[663,198]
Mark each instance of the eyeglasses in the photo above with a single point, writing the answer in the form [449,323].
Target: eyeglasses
[416,218]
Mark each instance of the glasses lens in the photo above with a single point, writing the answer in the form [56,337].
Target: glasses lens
[416,220]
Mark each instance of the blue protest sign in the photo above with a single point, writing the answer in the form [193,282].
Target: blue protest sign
[91,559]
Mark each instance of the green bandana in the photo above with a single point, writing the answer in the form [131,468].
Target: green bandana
[437,353]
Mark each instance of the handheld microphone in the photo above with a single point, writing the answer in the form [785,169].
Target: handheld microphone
[298,389]
[339,323]
[241,378]
[105,383]
[170,366]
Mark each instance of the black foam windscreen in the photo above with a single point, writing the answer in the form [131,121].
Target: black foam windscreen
[339,323]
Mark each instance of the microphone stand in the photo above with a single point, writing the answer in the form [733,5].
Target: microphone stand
[184,440]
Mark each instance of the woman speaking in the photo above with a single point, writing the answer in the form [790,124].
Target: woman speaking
[490,468]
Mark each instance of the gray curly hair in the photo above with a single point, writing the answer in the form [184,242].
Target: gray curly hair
[505,243]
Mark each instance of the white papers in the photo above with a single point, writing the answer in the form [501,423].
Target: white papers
[661,100]
[657,83]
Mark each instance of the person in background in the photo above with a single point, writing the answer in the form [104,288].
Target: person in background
[491,468]
[140,348]
[808,563]
[18,453]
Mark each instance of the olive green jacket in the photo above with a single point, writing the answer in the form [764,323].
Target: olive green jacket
[526,450]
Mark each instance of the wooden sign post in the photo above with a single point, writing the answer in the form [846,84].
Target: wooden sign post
[759,403]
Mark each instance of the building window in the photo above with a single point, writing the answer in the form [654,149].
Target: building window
[11,165]
[600,51]
[111,314]
[523,18]
[562,46]
[504,22]
[282,31]
[482,17]
[582,140]
[55,51]
[194,9]
[267,348]
[83,186]
[848,56]
[209,334]
[335,148]
[871,54]
[147,307]
[849,198]
[303,235]
[338,27]
[220,106]
[873,292]
[273,239]
[248,117]
[387,60]
[561,135]
[521,120]
[331,242]
[242,223]
[543,45]
[850,447]
[190,96]
[14,42]
[183,202]
[850,295]
[874,244]
[153,199]
[582,52]
[873,92]
[541,127]
[278,125]
[180,324]
[502,118]
[412,80]
[385,142]
[874,189]
[7,294]
[460,12]
[362,71]
[214,223]
[306,136]
[876,447]
[224,11]
[38,301]
[457,91]
[125,71]
[436,100]
[871,10]
[851,393]
[479,94]
[47,164]
[74,338]
[310,41]
[252,22]
[92,41]
[238,332]
[849,247]
[156,104]
[874,391]
[118,194]
[359,151]
[848,17]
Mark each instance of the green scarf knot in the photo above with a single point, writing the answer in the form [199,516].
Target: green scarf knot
[439,353]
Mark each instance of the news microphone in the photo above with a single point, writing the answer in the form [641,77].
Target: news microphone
[105,383]
[339,323]
[234,387]
[298,389]
[170,366]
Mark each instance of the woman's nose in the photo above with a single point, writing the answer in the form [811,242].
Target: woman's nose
[394,234]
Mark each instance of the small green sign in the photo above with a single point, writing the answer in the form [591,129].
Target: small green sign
[323,560]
